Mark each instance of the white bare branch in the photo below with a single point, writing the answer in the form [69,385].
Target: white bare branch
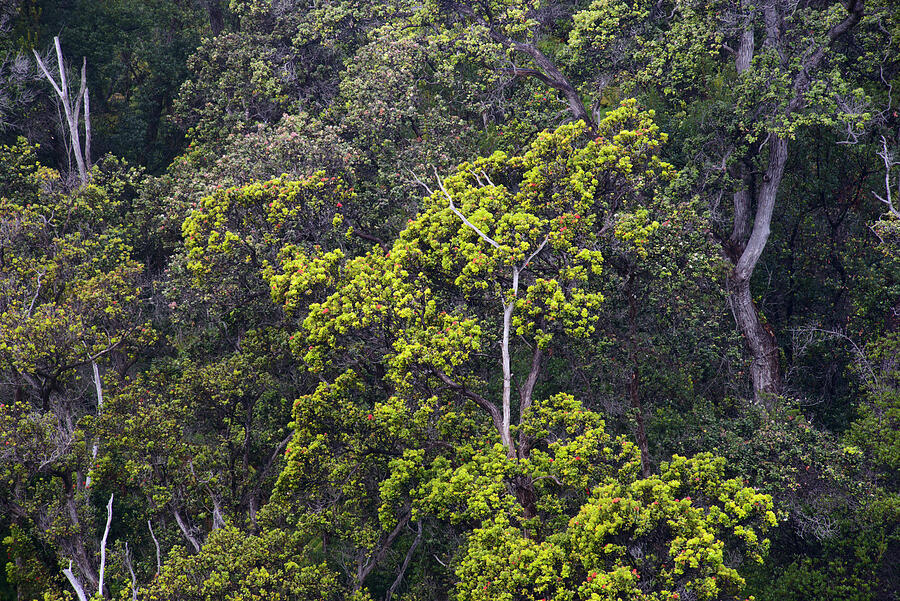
[103,544]
[130,566]
[79,589]
[468,223]
[156,544]
[889,157]
[72,113]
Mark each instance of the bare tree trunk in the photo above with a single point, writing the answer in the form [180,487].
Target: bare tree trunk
[98,385]
[505,435]
[156,544]
[185,530]
[109,513]
[72,113]
[130,566]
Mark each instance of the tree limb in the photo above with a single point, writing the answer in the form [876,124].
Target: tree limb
[468,223]
[482,402]
[548,74]
[156,544]
[79,590]
[365,569]
[184,530]
[130,566]
[103,544]
[405,563]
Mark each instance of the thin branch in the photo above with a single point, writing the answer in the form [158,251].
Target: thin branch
[364,570]
[534,254]
[103,544]
[156,544]
[548,477]
[405,563]
[47,74]
[128,564]
[36,292]
[420,182]
[482,402]
[468,223]
[889,163]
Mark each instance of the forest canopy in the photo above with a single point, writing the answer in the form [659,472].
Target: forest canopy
[394,300]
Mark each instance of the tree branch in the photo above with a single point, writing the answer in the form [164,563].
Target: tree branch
[482,402]
[156,544]
[468,223]
[405,563]
[548,74]
[103,544]
[130,566]
[889,163]
[855,8]
[184,530]
[79,590]
[364,570]
[527,390]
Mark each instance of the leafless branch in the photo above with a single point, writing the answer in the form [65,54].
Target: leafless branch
[889,158]
[130,566]
[468,223]
[79,589]
[72,114]
[156,544]
[103,544]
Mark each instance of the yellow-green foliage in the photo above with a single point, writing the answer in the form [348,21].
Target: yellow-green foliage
[657,538]
[232,566]
[555,197]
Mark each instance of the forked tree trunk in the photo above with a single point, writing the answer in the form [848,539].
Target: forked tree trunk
[765,371]
[73,113]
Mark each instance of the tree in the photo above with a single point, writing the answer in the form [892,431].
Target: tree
[775,88]
[527,250]
[69,311]
[415,343]
[72,113]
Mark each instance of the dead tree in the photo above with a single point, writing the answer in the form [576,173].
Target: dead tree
[73,113]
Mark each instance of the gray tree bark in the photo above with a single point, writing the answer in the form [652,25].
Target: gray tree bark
[73,113]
